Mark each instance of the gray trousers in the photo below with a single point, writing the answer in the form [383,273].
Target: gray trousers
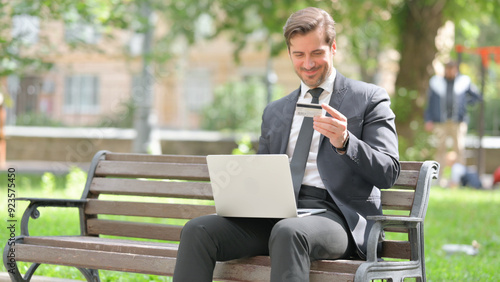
[292,243]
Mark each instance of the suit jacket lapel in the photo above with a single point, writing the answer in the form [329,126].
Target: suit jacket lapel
[288,113]
[338,94]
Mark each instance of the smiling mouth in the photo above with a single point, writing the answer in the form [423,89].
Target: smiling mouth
[311,71]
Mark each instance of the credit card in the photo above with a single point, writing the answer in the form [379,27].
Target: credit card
[308,110]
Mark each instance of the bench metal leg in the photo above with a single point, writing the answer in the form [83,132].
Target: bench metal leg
[92,275]
[10,263]
[29,273]
[16,276]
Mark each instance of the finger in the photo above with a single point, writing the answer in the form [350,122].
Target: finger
[327,130]
[329,123]
[334,123]
[324,131]
[333,112]
[335,138]
[331,127]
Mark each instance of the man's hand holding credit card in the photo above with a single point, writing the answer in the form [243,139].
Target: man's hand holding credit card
[308,110]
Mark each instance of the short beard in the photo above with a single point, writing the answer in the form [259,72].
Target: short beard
[318,82]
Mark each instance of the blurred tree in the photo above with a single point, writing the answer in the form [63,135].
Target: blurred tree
[482,32]
[408,26]
[238,106]
[15,35]
[107,16]
[418,24]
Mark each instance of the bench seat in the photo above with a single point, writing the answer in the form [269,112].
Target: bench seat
[154,258]
[133,208]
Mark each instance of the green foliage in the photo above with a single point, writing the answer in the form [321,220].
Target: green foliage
[245,146]
[402,102]
[469,66]
[369,27]
[75,179]
[491,117]
[237,106]
[37,119]
[48,182]
[12,58]
[419,149]
[122,118]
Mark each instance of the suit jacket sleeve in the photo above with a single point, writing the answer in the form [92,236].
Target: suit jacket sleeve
[373,144]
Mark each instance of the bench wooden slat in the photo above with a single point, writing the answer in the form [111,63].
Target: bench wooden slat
[156,265]
[156,158]
[397,200]
[396,229]
[133,229]
[408,165]
[348,266]
[259,269]
[408,178]
[105,244]
[152,170]
[393,249]
[147,209]
[95,259]
[118,186]
[345,266]
[396,249]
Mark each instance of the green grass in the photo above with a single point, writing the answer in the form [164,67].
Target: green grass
[454,217]
[459,217]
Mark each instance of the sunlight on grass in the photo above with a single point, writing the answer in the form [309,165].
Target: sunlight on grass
[459,217]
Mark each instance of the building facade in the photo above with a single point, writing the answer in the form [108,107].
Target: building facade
[93,84]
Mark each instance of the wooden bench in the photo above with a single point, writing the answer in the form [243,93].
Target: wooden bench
[122,188]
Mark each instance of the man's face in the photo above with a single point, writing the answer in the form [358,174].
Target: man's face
[312,57]
[450,72]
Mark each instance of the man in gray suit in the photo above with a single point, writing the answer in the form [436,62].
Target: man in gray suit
[352,153]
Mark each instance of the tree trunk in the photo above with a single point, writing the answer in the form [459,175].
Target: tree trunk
[418,50]
[143,95]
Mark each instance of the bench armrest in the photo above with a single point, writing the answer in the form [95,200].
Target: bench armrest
[35,203]
[402,221]
[381,222]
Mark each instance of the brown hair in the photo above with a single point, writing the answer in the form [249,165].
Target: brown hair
[307,20]
[451,64]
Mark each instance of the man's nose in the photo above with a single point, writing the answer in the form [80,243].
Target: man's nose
[309,63]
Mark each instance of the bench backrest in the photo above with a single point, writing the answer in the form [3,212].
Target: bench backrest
[148,196]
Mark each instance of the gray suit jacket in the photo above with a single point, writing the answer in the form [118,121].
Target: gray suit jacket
[371,161]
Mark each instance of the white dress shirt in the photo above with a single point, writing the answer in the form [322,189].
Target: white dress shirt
[311,175]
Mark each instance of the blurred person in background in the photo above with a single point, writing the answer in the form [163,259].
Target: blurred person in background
[446,113]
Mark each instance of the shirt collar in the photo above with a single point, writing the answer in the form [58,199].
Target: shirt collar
[327,85]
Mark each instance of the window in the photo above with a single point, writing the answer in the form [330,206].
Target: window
[198,89]
[81,94]
[136,44]
[204,27]
[80,32]
[26,28]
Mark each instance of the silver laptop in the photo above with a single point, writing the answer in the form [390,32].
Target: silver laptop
[254,186]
